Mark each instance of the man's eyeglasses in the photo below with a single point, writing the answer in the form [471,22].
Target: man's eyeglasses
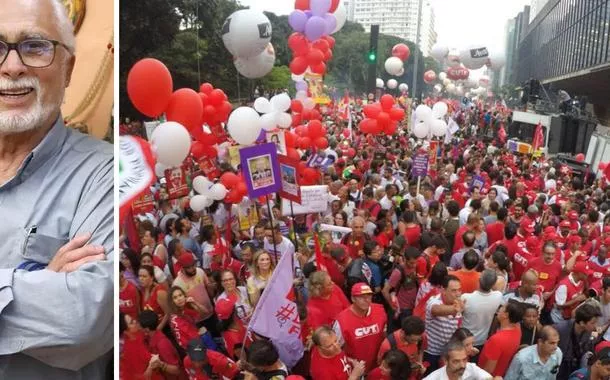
[36,53]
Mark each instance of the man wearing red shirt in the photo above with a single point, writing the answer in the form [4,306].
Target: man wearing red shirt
[548,269]
[524,255]
[570,292]
[471,223]
[369,203]
[499,350]
[329,362]
[495,230]
[202,364]
[429,257]
[159,344]
[361,327]
[410,339]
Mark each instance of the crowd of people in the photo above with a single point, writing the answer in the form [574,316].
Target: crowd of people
[494,265]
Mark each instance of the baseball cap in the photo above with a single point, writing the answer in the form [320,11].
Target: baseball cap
[196,350]
[224,308]
[582,267]
[527,226]
[573,239]
[361,288]
[186,260]
[549,230]
[607,241]
[565,224]
[573,215]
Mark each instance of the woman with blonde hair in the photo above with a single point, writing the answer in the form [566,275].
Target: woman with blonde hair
[263,268]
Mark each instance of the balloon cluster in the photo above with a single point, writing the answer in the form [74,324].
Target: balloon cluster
[247,34]
[314,134]
[236,187]
[472,56]
[314,18]
[303,111]
[394,65]
[429,121]
[274,112]
[312,55]
[382,117]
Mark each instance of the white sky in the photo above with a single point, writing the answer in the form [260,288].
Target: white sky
[458,22]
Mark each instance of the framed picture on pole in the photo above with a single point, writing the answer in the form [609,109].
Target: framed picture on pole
[261,169]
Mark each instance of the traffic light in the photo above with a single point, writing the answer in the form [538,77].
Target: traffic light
[372,57]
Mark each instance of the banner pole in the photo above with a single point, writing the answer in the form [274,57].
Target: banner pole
[272,228]
[294,229]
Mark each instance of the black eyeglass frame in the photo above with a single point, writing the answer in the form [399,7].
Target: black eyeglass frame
[15,46]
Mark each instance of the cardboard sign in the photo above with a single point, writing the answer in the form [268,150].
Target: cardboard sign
[261,169]
[420,165]
[144,203]
[176,183]
[313,199]
[290,179]
[277,137]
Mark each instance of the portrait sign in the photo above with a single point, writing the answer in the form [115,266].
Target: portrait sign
[260,167]
[277,137]
[290,179]
[177,186]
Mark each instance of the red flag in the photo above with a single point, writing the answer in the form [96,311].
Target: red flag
[318,251]
[538,140]
[132,232]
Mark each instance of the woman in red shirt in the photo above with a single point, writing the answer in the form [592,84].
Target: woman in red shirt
[184,312]
[231,327]
[394,365]
[154,296]
[135,361]
[129,296]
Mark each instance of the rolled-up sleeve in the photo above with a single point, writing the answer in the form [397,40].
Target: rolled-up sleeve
[65,320]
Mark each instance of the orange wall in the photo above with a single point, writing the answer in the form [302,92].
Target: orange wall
[91,45]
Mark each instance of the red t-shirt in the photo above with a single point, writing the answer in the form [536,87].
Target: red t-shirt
[412,234]
[234,339]
[183,327]
[377,374]
[520,262]
[160,345]
[458,243]
[325,311]
[421,265]
[373,206]
[152,302]
[135,358]
[128,300]
[354,245]
[495,232]
[501,347]
[548,274]
[221,365]
[410,349]
[363,335]
[335,368]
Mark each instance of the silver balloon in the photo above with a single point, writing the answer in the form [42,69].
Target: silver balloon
[257,66]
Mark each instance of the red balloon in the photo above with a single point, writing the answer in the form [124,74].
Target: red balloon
[397,114]
[208,114]
[291,139]
[298,65]
[315,57]
[304,143]
[302,166]
[315,129]
[241,188]
[383,119]
[296,106]
[429,76]
[206,88]
[321,45]
[391,128]
[149,86]
[387,102]
[351,152]
[216,97]
[580,157]
[319,68]
[334,4]
[602,166]
[328,55]
[229,180]
[233,197]
[297,42]
[330,40]
[315,115]
[197,149]
[311,175]
[306,114]
[296,119]
[401,51]
[292,153]
[368,126]
[372,110]
[301,131]
[321,143]
[185,108]
[207,138]
[204,99]
[301,4]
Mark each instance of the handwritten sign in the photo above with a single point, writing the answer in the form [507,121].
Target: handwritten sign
[313,199]
[420,165]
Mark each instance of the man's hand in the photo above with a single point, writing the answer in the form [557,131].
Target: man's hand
[75,253]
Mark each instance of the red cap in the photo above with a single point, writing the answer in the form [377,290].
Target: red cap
[574,239]
[582,267]
[549,230]
[531,243]
[565,224]
[361,288]
[215,252]
[573,215]
[224,308]
[552,237]
[186,260]
[527,226]
[607,242]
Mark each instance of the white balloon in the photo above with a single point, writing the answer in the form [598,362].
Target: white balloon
[341,16]
[393,65]
[309,104]
[243,125]
[438,127]
[392,84]
[420,130]
[301,95]
[200,202]
[201,184]
[262,105]
[257,66]
[459,90]
[439,109]
[403,87]
[438,87]
[474,56]
[453,58]
[280,102]
[439,51]
[246,33]
[160,169]
[423,112]
[171,142]
[379,83]
[442,76]
[472,82]
[450,87]
[447,82]
[402,72]
[217,192]
[283,120]
[267,121]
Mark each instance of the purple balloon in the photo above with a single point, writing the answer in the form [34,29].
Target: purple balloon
[308,13]
[320,7]
[315,28]
[331,23]
[297,20]
[262,137]
[301,86]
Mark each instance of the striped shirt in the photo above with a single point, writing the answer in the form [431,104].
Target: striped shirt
[439,329]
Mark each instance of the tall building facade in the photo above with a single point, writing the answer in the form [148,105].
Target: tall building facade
[397,18]
[536,7]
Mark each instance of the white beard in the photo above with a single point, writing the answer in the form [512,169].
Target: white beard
[28,120]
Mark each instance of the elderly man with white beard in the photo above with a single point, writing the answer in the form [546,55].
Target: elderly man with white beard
[56,208]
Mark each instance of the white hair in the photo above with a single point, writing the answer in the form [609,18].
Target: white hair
[64,24]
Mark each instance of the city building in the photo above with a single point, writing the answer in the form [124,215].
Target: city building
[515,31]
[536,7]
[397,18]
